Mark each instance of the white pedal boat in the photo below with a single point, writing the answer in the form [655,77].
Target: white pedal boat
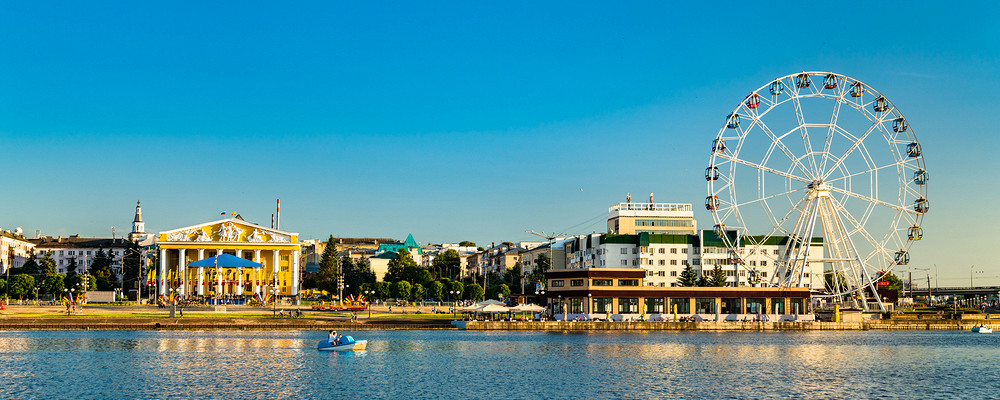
[352,345]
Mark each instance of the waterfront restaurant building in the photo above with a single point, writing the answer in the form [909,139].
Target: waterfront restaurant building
[277,250]
[621,295]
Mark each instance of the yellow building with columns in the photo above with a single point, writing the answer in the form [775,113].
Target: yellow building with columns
[278,251]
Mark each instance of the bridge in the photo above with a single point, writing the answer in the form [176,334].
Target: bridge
[954,291]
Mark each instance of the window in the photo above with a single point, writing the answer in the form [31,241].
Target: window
[704,306]
[634,250]
[682,306]
[673,250]
[602,304]
[764,274]
[730,273]
[576,282]
[628,282]
[673,273]
[576,305]
[649,273]
[673,262]
[696,262]
[763,263]
[625,262]
[753,263]
[635,262]
[624,250]
[558,283]
[663,262]
[628,305]
[684,250]
[661,273]
[775,251]
[602,282]
[661,250]
[730,306]
[755,306]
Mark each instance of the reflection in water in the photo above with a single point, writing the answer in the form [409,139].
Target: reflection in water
[457,364]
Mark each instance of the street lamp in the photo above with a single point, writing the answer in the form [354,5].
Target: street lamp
[370,294]
[36,295]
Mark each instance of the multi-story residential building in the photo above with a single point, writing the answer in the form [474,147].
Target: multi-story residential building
[494,260]
[657,218]
[664,257]
[15,249]
[77,253]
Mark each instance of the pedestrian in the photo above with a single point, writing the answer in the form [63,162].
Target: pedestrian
[182,312]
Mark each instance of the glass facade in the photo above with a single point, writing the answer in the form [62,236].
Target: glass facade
[628,305]
[602,305]
[704,306]
[654,305]
[681,306]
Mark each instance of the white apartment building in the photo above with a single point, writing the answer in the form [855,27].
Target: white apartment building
[81,251]
[15,249]
[664,257]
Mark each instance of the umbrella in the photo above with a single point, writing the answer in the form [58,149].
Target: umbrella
[225,261]
[528,308]
[492,308]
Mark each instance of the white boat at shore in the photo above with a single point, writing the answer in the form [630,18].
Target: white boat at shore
[982,329]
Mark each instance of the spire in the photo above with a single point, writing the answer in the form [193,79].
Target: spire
[138,212]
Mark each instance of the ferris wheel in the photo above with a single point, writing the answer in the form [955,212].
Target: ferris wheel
[818,179]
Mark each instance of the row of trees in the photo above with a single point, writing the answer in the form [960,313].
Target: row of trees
[42,273]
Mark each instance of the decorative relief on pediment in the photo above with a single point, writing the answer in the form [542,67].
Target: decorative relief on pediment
[202,237]
[229,232]
[278,238]
[256,236]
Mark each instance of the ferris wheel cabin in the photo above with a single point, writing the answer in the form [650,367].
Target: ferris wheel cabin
[915,233]
[857,89]
[921,205]
[718,145]
[830,82]
[881,104]
[753,101]
[777,88]
[712,203]
[913,149]
[920,177]
[733,122]
[802,81]
[711,173]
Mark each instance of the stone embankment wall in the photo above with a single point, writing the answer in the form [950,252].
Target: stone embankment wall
[98,323]
[717,326]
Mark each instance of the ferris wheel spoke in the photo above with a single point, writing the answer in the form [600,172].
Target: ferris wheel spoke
[865,172]
[776,141]
[858,142]
[763,168]
[872,200]
[801,120]
[830,132]
[857,225]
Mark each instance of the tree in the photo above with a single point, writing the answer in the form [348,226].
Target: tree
[447,264]
[718,278]
[402,290]
[101,271]
[436,291]
[397,266]
[132,267]
[382,290]
[21,285]
[352,279]
[702,281]
[3,286]
[329,267]
[466,243]
[54,284]
[894,283]
[417,293]
[503,289]
[71,267]
[688,278]
[542,265]
[31,267]
[473,292]
[512,276]
[456,287]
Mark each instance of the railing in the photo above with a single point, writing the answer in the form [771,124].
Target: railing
[651,207]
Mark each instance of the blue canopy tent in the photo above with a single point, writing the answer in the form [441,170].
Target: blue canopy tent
[225,261]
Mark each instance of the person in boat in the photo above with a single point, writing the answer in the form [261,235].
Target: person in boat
[332,338]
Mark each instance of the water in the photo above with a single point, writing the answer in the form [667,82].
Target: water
[500,365]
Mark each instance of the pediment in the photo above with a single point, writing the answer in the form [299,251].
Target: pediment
[230,230]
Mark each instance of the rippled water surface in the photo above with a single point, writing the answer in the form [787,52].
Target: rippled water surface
[500,365]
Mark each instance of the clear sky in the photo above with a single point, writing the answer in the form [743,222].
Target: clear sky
[458,120]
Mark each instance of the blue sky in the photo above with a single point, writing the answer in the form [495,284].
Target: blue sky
[457,120]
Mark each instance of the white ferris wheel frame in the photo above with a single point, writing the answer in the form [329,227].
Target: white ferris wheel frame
[812,171]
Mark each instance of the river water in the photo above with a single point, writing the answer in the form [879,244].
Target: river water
[500,365]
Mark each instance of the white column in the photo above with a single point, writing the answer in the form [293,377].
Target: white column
[182,270]
[239,275]
[274,271]
[218,275]
[201,274]
[295,273]
[256,280]
[163,271]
